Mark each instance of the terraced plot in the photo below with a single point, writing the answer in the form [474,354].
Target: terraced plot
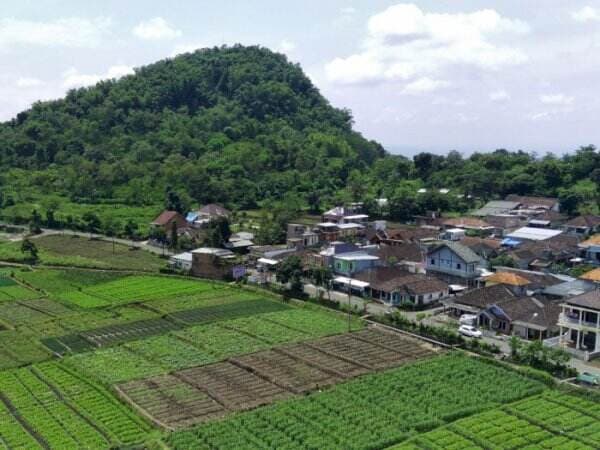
[11,290]
[373,411]
[52,408]
[247,381]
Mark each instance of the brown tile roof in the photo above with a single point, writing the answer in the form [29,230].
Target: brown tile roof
[532,202]
[486,296]
[409,234]
[592,275]
[531,311]
[589,221]
[505,221]
[511,279]
[594,240]
[165,218]
[588,300]
[389,279]
[539,279]
[556,247]
[466,222]
[403,252]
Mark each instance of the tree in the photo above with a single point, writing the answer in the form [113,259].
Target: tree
[515,347]
[218,232]
[30,248]
[290,271]
[91,223]
[35,225]
[130,229]
[322,276]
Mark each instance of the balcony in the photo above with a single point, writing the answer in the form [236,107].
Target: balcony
[565,320]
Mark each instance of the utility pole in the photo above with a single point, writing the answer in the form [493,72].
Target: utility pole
[349,300]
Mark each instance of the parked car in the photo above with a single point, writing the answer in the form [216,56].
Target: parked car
[470,331]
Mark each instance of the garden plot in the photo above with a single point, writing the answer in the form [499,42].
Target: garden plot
[56,409]
[115,334]
[11,290]
[227,311]
[283,370]
[171,403]
[374,411]
[552,420]
[357,348]
[233,387]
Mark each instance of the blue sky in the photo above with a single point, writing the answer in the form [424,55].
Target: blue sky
[427,75]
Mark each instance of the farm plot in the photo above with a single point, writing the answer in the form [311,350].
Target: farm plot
[374,411]
[552,420]
[296,369]
[133,289]
[20,348]
[226,311]
[169,401]
[116,334]
[57,282]
[284,370]
[218,294]
[11,290]
[58,410]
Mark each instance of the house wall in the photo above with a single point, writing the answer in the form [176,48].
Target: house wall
[344,267]
[210,266]
[446,261]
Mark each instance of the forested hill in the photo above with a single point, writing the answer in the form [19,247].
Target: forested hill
[244,127]
[234,125]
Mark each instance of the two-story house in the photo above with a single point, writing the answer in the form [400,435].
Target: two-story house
[453,262]
[579,324]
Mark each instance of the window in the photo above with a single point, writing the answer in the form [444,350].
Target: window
[458,266]
[432,262]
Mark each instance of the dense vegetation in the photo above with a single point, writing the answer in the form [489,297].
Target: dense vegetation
[244,127]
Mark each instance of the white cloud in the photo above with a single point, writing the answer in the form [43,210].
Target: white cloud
[586,14]
[557,99]
[424,85]
[499,96]
[72,78]
[155,29]
[28,82]
[67,32]
[286,46]
[404,43]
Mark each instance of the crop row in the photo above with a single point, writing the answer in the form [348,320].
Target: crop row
[48,406]
[552,420]
[374,411]
[202,344]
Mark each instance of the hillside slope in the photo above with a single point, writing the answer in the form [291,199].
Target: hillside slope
[234,124]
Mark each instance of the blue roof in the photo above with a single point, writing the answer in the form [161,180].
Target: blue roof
[191,216]
[510,242]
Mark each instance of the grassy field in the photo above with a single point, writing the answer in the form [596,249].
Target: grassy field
[82,252]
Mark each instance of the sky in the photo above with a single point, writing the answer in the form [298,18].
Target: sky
[429,75]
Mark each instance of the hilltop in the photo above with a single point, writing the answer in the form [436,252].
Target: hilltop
[235,125]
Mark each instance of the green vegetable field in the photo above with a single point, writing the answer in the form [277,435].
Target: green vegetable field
[104,359]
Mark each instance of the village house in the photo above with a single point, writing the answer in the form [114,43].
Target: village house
[503,309]
[453,263]
[354,262]
[346,214]
[168,220]
[215,263]
[504,224]
[583,225]
[542,254]
[469,224]
[534,203]
[579,324]
[495,207]
[394,286]
[403,235]
[486,248]
[590,250]
[411,256]
[181,261]
[300,235]
[537,281]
